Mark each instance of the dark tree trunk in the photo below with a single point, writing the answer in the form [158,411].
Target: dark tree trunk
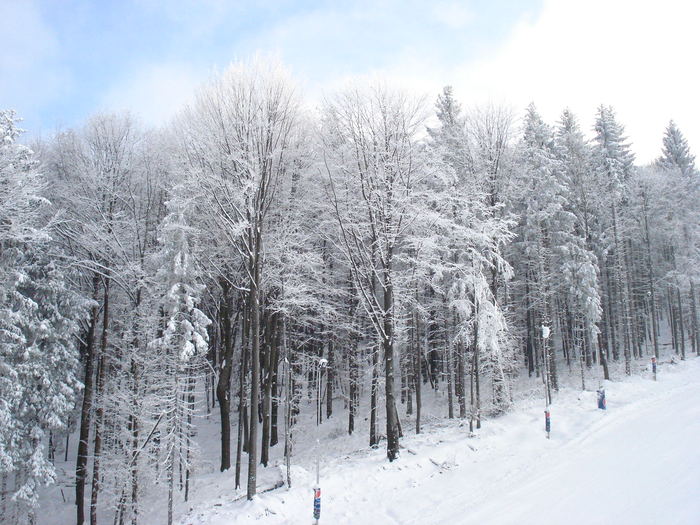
[352,386]
[475,401]
[255,368]
[652,292]
[530,330]
[330,377]
[461,397]
[681,328]
[449,372]
[223,387]
[373,437]
[417,376]
[86,409]
[612,317]
[274,410]
[392,431]
[694,313]
[188,435]
[242,408]
[672,319]
[99,413]
[134,446]
[270,375]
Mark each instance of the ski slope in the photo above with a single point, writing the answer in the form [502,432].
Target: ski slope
[636,463]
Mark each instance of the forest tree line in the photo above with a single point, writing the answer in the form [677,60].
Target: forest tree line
[255,251]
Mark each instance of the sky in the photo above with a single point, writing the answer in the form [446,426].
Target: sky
[64,60]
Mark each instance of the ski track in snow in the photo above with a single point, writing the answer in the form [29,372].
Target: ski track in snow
[636,463]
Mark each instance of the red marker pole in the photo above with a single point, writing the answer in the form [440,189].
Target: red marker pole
[547,421]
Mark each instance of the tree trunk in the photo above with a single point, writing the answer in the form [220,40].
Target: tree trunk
[274,410]
[266,384]
[352,386]
[417,376]
[461,398]
[330,378]
[476,397]
[612,318]
[255,368]
[631,303]
[373,438]
[694,313]
[188,434]
[86,409]
[449,371]
[3,495]
[681,328]
[270,375]
[672,319]
[620,282]
[652,293]
[171,482]
[392,431]
[135,447]
[223,387]
[242,408]
[288,405]
[99,413]
[530,330]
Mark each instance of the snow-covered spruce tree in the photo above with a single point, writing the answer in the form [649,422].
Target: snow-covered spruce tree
[582,309]
[446,354]
[449,146]
[614,165]
[469,237]
[680,190]
[39,325]
[183,340]
[544,229]
[450,139]
[675,153]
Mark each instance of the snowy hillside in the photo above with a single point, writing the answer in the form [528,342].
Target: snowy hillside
[635,463]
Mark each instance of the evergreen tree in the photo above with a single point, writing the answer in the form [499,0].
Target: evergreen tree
[39,325]
[675,153]
[183,337]
[615,161]
[581,275]
[614,165]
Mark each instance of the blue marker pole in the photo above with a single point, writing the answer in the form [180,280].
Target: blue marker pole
[601,398]
[653,366]
[547,421]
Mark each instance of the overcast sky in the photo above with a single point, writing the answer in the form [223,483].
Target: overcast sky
[62,60]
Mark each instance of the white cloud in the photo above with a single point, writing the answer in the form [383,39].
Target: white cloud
[410,42]
[635,55]
[453,14]
[155,92]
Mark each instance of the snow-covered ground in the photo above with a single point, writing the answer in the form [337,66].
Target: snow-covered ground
[636,463]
